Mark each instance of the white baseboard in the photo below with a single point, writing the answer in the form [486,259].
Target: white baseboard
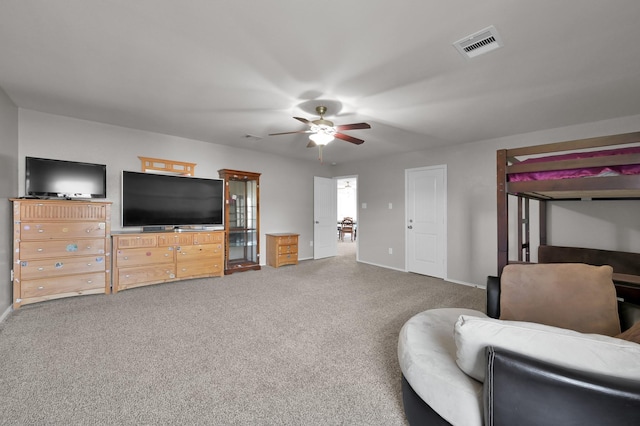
[6,313]
[466,283]
[382,266]
[402,270]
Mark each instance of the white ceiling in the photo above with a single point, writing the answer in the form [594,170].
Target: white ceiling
[219,70]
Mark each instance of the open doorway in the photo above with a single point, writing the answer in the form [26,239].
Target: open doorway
[347,201]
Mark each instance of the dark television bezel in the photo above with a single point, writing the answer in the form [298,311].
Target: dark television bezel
[29,168]
[156,225]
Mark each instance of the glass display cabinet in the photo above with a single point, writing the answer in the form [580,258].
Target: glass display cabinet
[242,220]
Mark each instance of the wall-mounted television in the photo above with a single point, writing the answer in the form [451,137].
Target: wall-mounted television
[158,200]
[49,178]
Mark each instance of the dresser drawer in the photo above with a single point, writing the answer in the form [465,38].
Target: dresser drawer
[61,230]
[36,269]
[287,239]
[288,259]
[289,248]
[208,237]
[77,284]
[65,210]
[131,277]
[144,256]
[194,269]
[61,248]
[134,241]
[175,239]
[204,251]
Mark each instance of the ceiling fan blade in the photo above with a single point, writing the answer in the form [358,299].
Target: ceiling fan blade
[348,138]
[290,133]
[311,144]
[304,120]
[353,126]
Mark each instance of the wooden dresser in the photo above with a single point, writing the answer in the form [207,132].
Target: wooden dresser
[151,258]
[61,248]
[282,249]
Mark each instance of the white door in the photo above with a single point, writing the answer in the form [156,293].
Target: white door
[426,227]
[325,226]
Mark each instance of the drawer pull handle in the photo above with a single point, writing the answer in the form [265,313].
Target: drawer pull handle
[41,288]
[127,276]
[89,281]
[41,269]
[41,230]
[88,230]
[126,258]
[40,250]
[89,264]
[166,255]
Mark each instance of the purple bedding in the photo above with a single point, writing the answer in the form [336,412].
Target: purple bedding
[631,169]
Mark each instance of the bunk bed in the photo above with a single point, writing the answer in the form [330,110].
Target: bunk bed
[600,168]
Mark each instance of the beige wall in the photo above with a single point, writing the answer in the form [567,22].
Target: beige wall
[8,189]
[471,204]
[286,186]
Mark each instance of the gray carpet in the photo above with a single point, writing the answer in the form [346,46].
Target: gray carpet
[312,344]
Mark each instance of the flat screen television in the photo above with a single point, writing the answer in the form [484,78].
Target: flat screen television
[49,178]
[156,200]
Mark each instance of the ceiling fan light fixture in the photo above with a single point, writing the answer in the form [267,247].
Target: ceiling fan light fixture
[323,132]
[321,138]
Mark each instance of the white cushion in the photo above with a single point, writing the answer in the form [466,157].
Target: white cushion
[426,352]
[588,352]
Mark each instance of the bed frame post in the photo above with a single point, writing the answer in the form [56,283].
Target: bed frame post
[524,234]
[502,210]
[543,222]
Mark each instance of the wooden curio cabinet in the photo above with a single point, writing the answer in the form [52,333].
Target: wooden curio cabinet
[242,220]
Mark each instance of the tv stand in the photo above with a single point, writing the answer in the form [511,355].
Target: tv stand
[148,258]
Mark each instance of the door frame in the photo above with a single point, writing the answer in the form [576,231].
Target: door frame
[351,178]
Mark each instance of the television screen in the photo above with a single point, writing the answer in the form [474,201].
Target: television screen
[150,199]
[50,178]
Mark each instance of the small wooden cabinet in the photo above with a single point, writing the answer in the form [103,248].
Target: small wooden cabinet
[241,220]
[151,258]
[61,248]
[282,249]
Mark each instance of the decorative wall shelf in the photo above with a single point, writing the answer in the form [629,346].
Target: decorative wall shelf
[167,166]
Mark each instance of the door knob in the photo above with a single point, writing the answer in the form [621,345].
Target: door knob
[410,227]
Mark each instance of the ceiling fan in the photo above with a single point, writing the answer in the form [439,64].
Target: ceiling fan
[322,131]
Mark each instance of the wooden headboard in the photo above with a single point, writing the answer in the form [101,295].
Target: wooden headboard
[626,266]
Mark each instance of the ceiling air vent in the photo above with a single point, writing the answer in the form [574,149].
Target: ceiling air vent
[478,43]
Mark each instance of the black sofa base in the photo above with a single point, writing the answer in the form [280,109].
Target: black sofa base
[417,411]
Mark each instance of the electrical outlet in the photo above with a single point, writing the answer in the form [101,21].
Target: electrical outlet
[390,250]
[390,206]
[311,243]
